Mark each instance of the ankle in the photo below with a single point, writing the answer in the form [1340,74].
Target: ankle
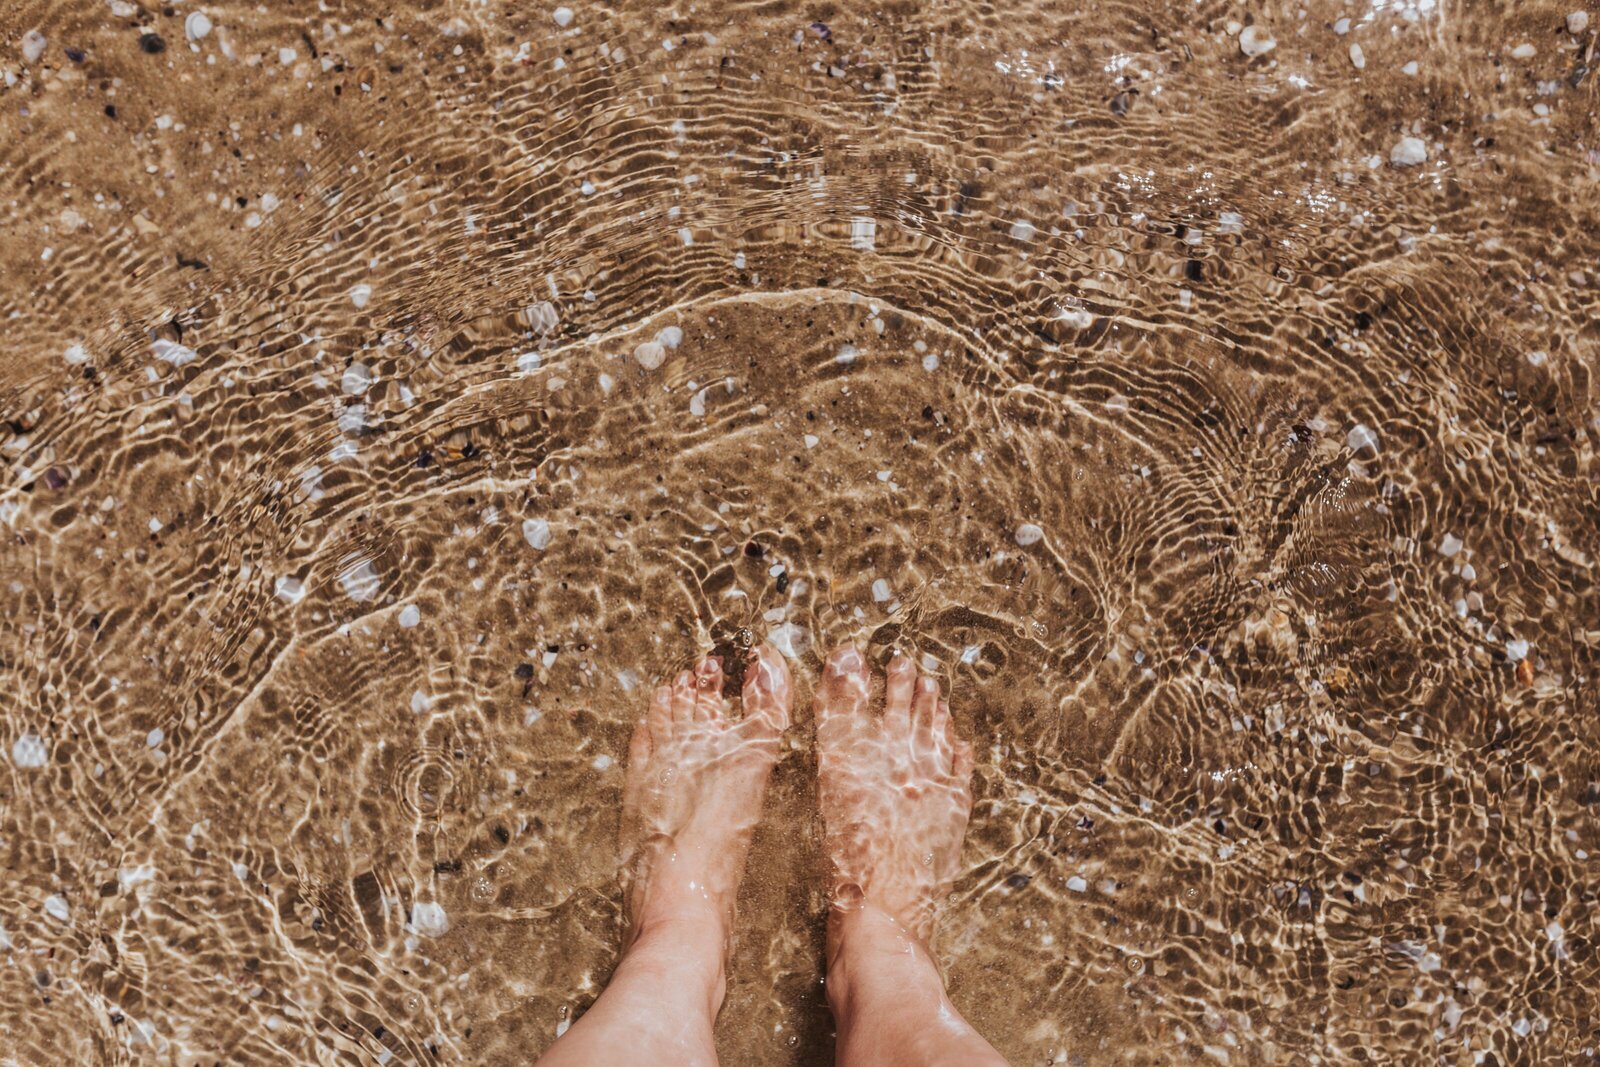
[870,952]
[687,952]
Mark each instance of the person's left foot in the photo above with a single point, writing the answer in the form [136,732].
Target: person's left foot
[695,781]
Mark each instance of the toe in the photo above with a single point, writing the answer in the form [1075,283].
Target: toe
[684,697]
[943,737]
[768,693]
[963,761]
[660,715]
[708,689]
[900,680]
[842,690]
[924,708]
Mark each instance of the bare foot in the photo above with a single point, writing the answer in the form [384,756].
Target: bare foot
[895,790]
[692,798]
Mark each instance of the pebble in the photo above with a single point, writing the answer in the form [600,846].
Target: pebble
[1117,404]
[670,336]
[790,639]
[650,355]
[56,907]
[1357,57]
[1029,534]
[155,737]
[1361,436]
[410,616]
[537,532]
[1077,884]
[357,377]
[33,43]
[1450,545]
[172,352]
[602,762]
[1516,650]
[563,16]
[881,591]
[287,55]
[428,918]
[1022,230]
[360,294]
[29,751]
[1408,152]
[197,25]
[847,353]
[420,702]
[1254,41]
[1524,51]
[811,440]
[289,589]
[76,354]
[1577,22]
[361,581]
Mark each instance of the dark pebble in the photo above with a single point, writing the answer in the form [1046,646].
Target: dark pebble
[524,671]
[76,54]
[152,43]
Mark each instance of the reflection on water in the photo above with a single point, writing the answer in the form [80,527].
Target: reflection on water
[1205,393]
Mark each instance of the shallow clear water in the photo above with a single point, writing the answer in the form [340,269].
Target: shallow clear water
[389,400]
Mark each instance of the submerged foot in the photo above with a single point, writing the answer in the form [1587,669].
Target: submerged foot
[895,790]
[695,780]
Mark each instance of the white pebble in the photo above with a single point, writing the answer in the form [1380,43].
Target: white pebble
[290,589]
[420,702]
[1116,403]
[790,639]
[670,336]
[1029,534]
[1524,51]
[197,25]
[847,353]
[361,581]
[930,362]
[1411,69]
[811,440]
[77,354]
[971,653]
[1361,436]
[29,751]
[429,919]
[650,355]
[863,234]
[410,616]
[528,362]
[172,352]
[1450,545]
[1408,152]
[1077,884]
[155,524]
[1358,57]
[357,378]
[1516,650]
[1254,41]
[1577,22]
[563,16]
[155,737]
[32,46]
[1022,230]
[360,294]
[56,907]
[287,55]
[537,532]
[881,591]
[602,762]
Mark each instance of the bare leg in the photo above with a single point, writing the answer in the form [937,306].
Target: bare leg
[895,793]
[690,804]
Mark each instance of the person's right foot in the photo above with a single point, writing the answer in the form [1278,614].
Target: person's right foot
[895,790]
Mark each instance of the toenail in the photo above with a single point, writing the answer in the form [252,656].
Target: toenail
[847,660]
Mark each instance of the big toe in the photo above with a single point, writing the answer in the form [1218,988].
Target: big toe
[842,691]
[768,692]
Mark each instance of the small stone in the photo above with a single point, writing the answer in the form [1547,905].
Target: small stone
[197,25]
[670,336]
[1117,404]
[881,591]
[1577,22]
[289,589]
[1361,436]
[847,353]
[1254,41]
[1450,545]
[410,616]
[56,907]
[602,762]
[29,752]
[650,355]
[1358,58]
[1029,534]
[1022,230]
[172,352]
[563,16]
[429,919]
[287,55]
[155,737]
[33,43]
[1408,152]
[357,377]
[420,702]
[152,43]
[361,581]
[1077,884]
[537,533]
[360,294]
[1524,51]
[76,354]
[1516,650]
